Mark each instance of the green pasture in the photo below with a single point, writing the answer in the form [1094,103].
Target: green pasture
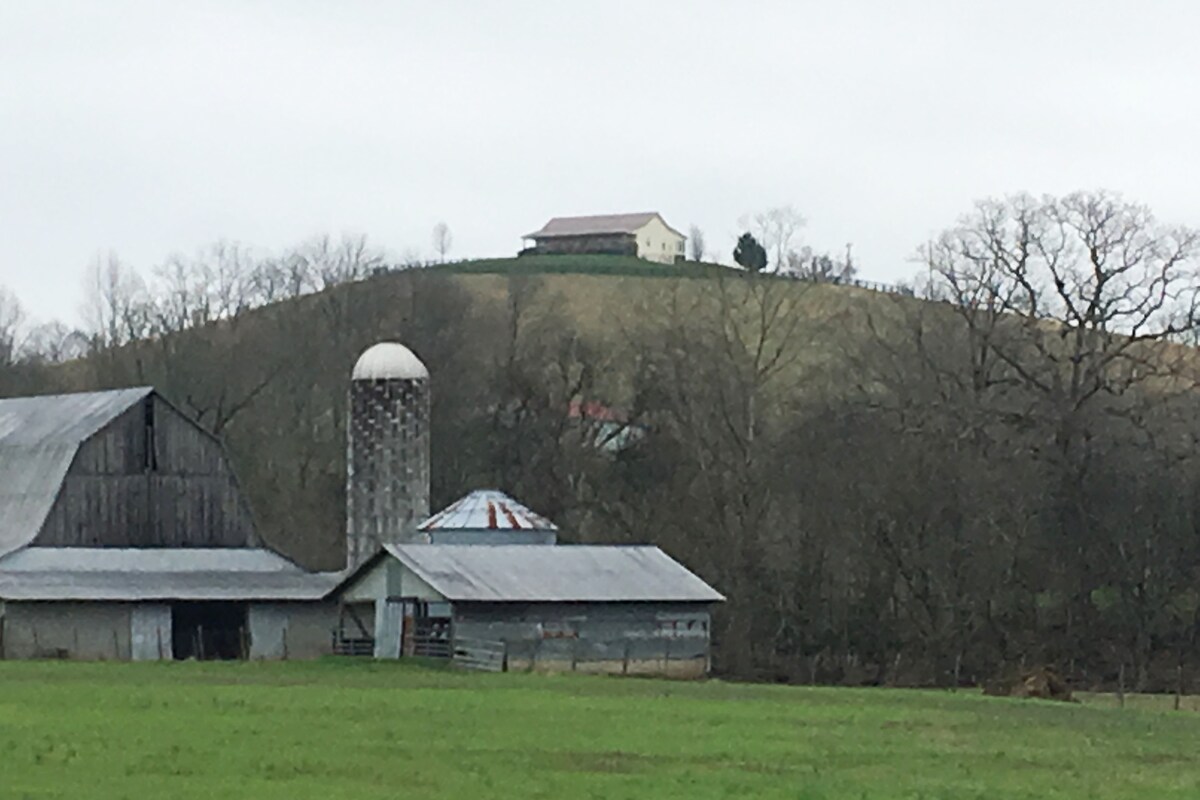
[359,729]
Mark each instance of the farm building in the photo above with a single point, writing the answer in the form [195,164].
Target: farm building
[597,608]
[124,535]
[645,235]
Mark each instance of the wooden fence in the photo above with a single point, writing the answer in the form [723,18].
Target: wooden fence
[480,654]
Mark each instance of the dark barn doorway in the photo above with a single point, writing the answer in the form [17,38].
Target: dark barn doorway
[208,631]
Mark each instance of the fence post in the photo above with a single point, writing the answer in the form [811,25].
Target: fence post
[1121,686]
[1178,686]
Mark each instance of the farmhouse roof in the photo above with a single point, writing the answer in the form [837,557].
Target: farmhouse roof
[39,437]
[553,573]
[597,224]
[126,575]
[486,510]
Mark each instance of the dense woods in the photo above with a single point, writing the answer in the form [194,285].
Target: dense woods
[888,489]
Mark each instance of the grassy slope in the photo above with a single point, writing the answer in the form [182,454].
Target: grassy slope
[364,730]
[581,265]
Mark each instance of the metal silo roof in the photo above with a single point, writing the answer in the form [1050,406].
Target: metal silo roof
[38,440]
[486,510]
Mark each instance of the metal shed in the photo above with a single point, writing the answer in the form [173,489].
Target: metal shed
[630,610]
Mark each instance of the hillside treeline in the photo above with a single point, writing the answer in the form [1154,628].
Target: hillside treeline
[888,489]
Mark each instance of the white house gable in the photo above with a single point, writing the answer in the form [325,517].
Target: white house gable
[658,242]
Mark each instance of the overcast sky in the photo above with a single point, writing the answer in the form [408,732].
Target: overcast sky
[157,127]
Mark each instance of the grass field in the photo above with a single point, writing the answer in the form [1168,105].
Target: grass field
[374,730]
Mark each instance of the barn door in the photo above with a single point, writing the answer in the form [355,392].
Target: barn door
[388,617]
[150,632]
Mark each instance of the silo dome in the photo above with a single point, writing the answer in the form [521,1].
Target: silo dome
[388,361]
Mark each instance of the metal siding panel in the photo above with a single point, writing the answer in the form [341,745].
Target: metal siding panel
[150,632]
[89,631]
[268,630]
[388,617]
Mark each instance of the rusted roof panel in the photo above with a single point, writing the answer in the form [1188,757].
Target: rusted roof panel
[486,510]
[553,573]
[38,440]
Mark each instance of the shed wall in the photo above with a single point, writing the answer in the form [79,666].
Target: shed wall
[669,639]
[291,630]
[128,487]
[86,631]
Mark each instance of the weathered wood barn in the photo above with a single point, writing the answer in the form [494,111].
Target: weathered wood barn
[124,535]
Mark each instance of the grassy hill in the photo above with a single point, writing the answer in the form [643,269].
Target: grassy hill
[582,264]
[362,730]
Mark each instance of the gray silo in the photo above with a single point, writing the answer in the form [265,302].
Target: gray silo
[387,458]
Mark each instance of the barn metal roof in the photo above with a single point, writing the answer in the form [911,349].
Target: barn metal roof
[156,559]
[553,573]
[39,437]
[596,224]
[139,586]
[123,575]
[486,510]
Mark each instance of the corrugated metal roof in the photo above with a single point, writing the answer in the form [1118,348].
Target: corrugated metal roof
[157,559]
[553,573]
[38,439]
[139,586]
[486,510]
[53,573]
[595,225]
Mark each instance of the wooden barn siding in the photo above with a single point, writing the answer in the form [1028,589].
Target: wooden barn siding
[109,499]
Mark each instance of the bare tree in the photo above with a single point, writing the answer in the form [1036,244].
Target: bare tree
[12,320]
[54,343]
[696,250]
[442,240]
[777,228]
[820,267]
[117,306]
[1068,309]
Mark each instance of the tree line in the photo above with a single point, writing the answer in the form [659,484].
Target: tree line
[913,490]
